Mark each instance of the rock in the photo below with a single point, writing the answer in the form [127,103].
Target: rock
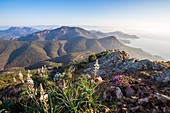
[143,100]
[153,111]
[119,93]
[165,76]
[113,93]
[101,73]
[130,100]
[126,63]
[135,66]
[133,109]
[166,109]
[87,70]
[129,91]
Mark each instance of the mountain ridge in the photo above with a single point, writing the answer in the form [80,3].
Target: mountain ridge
[13,33]
[60,45]
[25,54]
[62,33]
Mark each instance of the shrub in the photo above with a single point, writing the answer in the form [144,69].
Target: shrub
[92,58]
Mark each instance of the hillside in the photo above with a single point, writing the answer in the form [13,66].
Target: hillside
[27,54]
[15,32]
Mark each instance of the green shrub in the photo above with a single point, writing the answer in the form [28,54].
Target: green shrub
[92,58]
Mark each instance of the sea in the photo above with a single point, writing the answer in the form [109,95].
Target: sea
[156,45]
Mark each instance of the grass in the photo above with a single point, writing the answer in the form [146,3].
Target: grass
[68,95]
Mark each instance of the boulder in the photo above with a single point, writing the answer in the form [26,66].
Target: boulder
[113,93]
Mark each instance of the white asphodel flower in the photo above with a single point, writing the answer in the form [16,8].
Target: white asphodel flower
[41,89]
[30,81]
[96,65]
[21,77]
[43,96]
[29,73]
[64,85]
[96,68]
[42,70]
[14,79]
[30,85]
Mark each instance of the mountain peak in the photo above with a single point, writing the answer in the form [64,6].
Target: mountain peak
[14,28]
[62,33]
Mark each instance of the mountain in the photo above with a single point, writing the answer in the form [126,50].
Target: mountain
[15,32]
[62,33]
[117,34]
[29,54]
[43,27]
[99,34]
[120,34]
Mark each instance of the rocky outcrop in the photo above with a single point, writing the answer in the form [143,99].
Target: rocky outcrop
[118,62]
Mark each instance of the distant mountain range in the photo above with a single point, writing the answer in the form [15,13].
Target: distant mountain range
[62,45]
[16,32]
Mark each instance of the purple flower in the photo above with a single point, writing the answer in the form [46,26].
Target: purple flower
[121,80]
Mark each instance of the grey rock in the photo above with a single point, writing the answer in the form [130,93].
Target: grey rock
[165,76]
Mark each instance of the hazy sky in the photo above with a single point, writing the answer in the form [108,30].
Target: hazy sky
[133,15]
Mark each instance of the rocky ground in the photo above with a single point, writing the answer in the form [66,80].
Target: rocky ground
[133,85]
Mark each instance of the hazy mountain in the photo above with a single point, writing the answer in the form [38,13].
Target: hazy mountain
[45,27]
[99,34]
[29,54]
[62,33]
[117,34]
[120,34]
[15,32]
[4,27]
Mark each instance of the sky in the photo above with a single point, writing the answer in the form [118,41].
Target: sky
[148,19]
[126,15]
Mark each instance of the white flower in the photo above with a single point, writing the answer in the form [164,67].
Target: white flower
[29,73]
[14,79]
[21,77]
[96,68]
[43,96]
[41,90]
[30,86]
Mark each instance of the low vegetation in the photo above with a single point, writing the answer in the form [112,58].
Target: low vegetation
[68,89]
